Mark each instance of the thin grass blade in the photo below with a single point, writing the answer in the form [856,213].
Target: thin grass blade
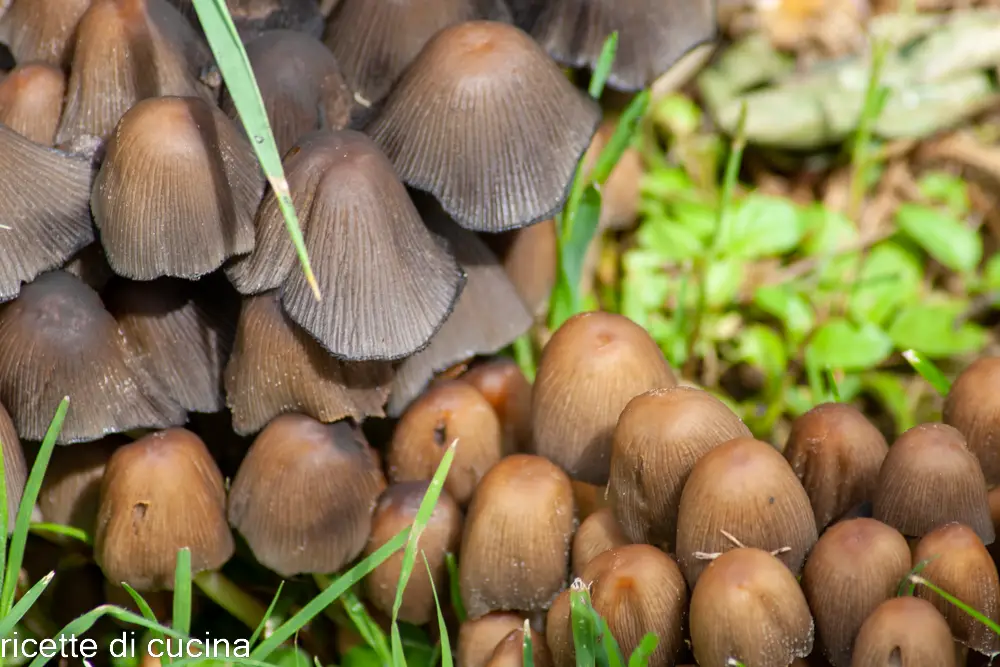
[602,70]
[928,371]
[71,532]
[26,602]
[954,601]
[584,632]
[527,650]
[453,588]
[369,630]
[445,645]
[267,615]
[182,592]
[640,656]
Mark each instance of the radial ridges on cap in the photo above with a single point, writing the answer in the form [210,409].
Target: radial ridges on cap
[177,191]
[41,30]
[31,99]
[15,470]
[44,210]
[57,340]
[255,17]
[387,283]
[500,132]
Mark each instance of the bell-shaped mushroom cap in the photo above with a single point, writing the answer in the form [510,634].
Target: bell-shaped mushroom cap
[177,192]
[70,493]
[255,17]
[590,369]
[501,128]
[502,382]
[559,628]
[855,566]
[159,494]
[659,437]
[15,469]
[973,407]
[653,34]
[516,541]
[906,631]
[376,40]
[396,511]
[450,410]
[957,561]
[277,367]
[387,283]
[598,533]
[930,478]
[57,340]
[488,316]
[31,98]
[478,638]
[185,331]
[127,51]
[747,606]
[529,258]
[510,651]
[743,489]
[41,30]
[44,210]
[304,496]
[836,453]
[300,83]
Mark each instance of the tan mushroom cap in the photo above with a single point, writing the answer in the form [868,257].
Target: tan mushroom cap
[973,407]
[31,98]
[478,638]
[502,382]
[598,533]
[42,30]
[906,630]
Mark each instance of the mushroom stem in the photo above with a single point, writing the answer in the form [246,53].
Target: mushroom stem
[243,606]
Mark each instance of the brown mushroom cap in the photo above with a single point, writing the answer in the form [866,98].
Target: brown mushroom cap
[304,495]
[529,258]
[653,35]
[159,494]
[387,283]
[930,478]
[478,638]
[598,533]
[70,493]
[559,629]
[15,469]
[516,541]
[855,566]
[127,51]
[300,83]
[510,651]
[905,631]
[836,453]
[43,336]
[960,564]
[973,407]
[177,192]
[42,30]
[255,17]
[659,437]
[745,488]
[488,93]
[591,368]
[31,98]
[747,606]
[396,511]
[502,382]
[450,410]
[44,207]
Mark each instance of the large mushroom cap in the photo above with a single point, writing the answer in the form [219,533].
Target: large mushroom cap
[57,340]
[31,99]
[973,407]
[500,132]
[41,30]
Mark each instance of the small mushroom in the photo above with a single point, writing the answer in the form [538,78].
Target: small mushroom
[478,638]
[177,191]
[159,494]
[31,98]
[510,651]
[855,566]
[598,533]
[836,453]
[591,368]
[15,469]
[276,367]
[300,83]
[127,51]
[502,382]
[184,333]
[44,210]
[659,438]
[973,407]
[41,30]
[930,478]
[747,606]
[488,93]
[958,562]
[387,283]
[529,258]
[396,511]
[57,340]
[304,495]
[516,540]
[559,628]
[743,493]
[450,410]
[905,631]
[71,488]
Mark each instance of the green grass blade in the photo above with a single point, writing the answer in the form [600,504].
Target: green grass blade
[906,586]
[3,526]
[369,630]
[928,371]
[8,622]
[640,656]
[445,645]
[240,604]
[527,651]
[453,588]
[581,623]
[144,609]
[954,601]
[424,513]
[831,383]
[19,539]
[238,75]
[71,532]
[621,138]
[611,652]
[259,630]
[182,592]
[524,355]
[602,70]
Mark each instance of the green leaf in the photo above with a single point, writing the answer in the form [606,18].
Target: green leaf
[843,345]
[664,184]
[890,392]
[889,279]
[760,346]
[931,328]
[991,273]
[722,282]
[290,656]
[361,655]
[762,226]
[947,189]
[699,218]
[828,232]
[945,238]
[786,305]
[670,240]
